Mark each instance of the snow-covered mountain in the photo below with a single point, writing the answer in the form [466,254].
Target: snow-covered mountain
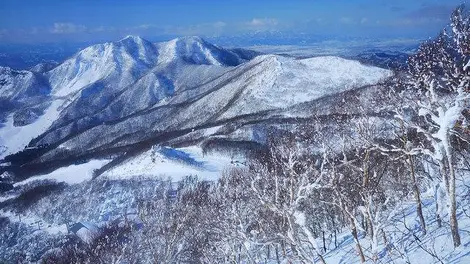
[125,96]
[223,155]
[117,79]
[21,85]
[123,62]
[23,96]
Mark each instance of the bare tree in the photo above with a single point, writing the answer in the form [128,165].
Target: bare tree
[440,72]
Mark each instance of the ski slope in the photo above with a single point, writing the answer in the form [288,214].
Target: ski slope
[14,139]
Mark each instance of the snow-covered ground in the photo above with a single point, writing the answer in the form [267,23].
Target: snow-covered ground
[14,138]
[72,174]
[406,242]
[37,224]
[174,164]
[281,82]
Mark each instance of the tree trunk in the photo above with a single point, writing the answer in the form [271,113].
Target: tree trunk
[239,253]
[277,256]
[284,249]
[454,224]
[336,241]
[322,260]
[269,251]
[384,238]
[443,171]
[356,239]
[419,207]
[334,230]
[438,215]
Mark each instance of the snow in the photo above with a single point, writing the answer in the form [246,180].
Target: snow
[208,55]
[36,223]
[403,231]
[173,163]
[7,197]
[15,139]
[88,232]
[212,130]
[120,63]
[89,66]
[193,48]
[446,121]
[13,82]
[281,82]
[167,51]
[299,81]
[72,174]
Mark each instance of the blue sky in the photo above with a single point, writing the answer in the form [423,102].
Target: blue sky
[24,21]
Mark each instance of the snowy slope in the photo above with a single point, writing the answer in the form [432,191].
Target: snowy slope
[125,61]
[264,83]
[19,85]
[284,82]
[172,163]
[121,62]
[113,80]
[406,242]
[109,81]
[72,174]
[15,138]
[196,50]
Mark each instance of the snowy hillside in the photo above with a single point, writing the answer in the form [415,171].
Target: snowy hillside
[182,151]
[118,95]
[259,85]
[14,138]
[112,79]
[284,82]
[172,163]
[21,85]
[123,62]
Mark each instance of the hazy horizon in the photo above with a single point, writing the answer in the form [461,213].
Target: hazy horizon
[238,21]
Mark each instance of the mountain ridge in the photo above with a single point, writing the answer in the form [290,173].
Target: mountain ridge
[117,94]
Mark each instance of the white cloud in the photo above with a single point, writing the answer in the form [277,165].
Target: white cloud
[364,20]
[213,28]
[262,22]
[35,30]
[346,20]
[417,21]
[102,29]
[67,28]
[219,24]
[145,26]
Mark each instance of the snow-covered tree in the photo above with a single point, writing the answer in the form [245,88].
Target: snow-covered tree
[440,72]
[280,186]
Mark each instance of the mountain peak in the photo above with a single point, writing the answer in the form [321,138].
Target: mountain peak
[191,39]
[132,38]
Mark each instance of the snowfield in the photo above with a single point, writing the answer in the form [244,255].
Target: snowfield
[407,244]
[174,164]
[282,82]
[72,174]
[14,138]
[183,149]
[298,81]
